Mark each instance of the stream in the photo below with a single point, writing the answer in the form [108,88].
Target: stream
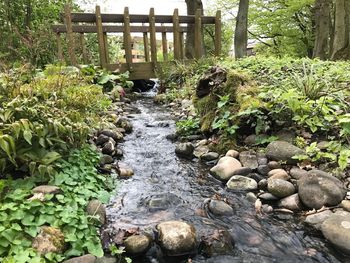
[165,187]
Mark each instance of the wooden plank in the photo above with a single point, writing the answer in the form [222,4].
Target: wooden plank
[105,41]
[83,48]
[218,33]
[101,44]
[198,35]
[70,38]
[176,34]
[113,29]
[142,70]
[165,47]
[59,47]
[118,18]
[127,37]
[146,46]
[182,46]
[152,32]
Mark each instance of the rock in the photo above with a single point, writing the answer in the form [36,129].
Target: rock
[282,151]
[278,174]
[244,171]
[251,197]
[267,209]
[106,260]
[220,208]
[106,159]
[116,136]
[257,177]
[176,238]
[219,242]
[200,150]
[46,189]
[286,135]
[225,168]
[83,259]
[268,197]
[249,159]
[319,189]
[274,165]
[137,244]
[210,156]
[250,140]
[49,240]
[316,220]
[96,208]
[125,124]
[336,230]
[345,204]
[108,148]
[184,150]
[291,202]
[263,169]
[262,159]
[262,185]
[280,188]
[322,145]
[125,172]
[102,139]
[232,153]
[297,173]
[241,183]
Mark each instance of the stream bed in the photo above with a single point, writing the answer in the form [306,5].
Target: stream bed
[165,187]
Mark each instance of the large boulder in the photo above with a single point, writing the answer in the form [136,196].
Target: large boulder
[319,189]
[225,168]
[177,238]
[336,230]
[49,240]
[242,183]
[282,151]
[280,188]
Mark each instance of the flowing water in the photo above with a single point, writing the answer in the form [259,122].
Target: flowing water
[165,187]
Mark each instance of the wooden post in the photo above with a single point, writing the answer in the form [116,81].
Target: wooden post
[70,38]
[198,34]
[182,52]
[127,38]
[176,34]
[59,47]
[165,47]
[152,31]
[105,41]
[218,33]
[101,44]
[83,48]
[146,46]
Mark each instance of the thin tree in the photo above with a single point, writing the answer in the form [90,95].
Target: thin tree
[241,32]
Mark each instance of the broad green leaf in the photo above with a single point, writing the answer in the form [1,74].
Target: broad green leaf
[27,135]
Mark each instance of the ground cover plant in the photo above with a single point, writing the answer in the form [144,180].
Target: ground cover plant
[263,95]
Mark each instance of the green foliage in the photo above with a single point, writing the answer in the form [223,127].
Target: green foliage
[41,120]
[118,253]
[188,126]
[21,218]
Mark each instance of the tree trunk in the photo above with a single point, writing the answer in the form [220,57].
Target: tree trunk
[241,33]
[322,23]
[192,6]
[28,17]
[341,45]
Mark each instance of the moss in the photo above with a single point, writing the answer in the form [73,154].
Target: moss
[206,122]
[223,144]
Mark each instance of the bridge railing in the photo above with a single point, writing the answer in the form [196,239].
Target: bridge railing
[102,24]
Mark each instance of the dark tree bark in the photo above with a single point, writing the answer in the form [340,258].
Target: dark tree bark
[241,32]
[28,17]
[322,13]
[192,6]
[341,44]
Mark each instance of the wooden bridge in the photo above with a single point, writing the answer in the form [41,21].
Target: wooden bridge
[148,25]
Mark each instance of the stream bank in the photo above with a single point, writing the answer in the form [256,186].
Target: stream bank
[165,187]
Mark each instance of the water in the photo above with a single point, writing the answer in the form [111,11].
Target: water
[165,187]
